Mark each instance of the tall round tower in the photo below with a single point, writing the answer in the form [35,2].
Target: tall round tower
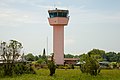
[58,19]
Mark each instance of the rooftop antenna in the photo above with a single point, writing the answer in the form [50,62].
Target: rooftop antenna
[47,45]
[54,5]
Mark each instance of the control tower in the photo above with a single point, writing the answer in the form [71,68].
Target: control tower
[58,19]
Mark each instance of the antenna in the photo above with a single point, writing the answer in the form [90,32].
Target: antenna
[54,6]
[47,45]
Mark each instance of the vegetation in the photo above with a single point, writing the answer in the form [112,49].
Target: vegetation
[15,69]
[30,57]
[90,66]
[10,51]
[10,66]
[40,59]
[101,55]
[52,66]
[70,74]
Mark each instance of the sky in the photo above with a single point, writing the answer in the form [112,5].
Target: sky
[92,24]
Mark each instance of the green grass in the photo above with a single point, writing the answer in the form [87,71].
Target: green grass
[69,74]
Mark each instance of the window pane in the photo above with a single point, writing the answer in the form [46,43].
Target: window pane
[51,15]
[55,14]
[60,14]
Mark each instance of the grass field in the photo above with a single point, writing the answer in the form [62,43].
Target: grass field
[70,74]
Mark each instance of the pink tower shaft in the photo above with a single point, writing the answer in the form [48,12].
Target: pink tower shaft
[58,24]
[58,44]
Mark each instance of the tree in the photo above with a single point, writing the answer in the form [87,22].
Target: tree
[83,57]
[11,51]
[77,56]
[44,55]
[39,56]
[30,57]
[68,56]
[40,61]
[36,58]
[90,66]
[97,54]
[111,57]
[23,57]
[118,57]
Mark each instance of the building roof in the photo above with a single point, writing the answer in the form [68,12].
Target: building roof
[58,10]
[68,59]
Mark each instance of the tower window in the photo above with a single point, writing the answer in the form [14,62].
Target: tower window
[58,14]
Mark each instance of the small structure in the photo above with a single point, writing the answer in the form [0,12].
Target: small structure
[104,64]
[71,60]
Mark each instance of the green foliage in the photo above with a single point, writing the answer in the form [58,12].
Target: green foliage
[41,61]
[97,54]
[71,56]
[66,66]
[36,58]
[30,57]
[70,74]
[60,67]
[10,51]
[52,67]
[15,69]
[90,66]
[44,55]
[112,57]
[113,65]
[83,57]
[101,55]
[68,56]
[72,66]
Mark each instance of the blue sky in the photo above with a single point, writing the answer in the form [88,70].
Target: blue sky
[93,24]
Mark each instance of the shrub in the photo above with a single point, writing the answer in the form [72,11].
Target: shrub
[52,67]
[90,66]
[40,61]
[113,65]
[72,66]
[2,71]
[15,69]
[66,66]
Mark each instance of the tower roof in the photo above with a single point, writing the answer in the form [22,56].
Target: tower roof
[58,10]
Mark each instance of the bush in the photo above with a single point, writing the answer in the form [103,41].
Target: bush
[72,66]
[113,65]
[15,69]
[60,67]
[67,66]
[2,71]
[52,67]
[90,66]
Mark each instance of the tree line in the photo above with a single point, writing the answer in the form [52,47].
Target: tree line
[98,54]
[101,55]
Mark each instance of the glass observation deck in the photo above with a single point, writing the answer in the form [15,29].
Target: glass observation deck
[58,13]
[58,17]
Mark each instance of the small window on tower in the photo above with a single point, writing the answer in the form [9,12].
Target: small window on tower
[60,14]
